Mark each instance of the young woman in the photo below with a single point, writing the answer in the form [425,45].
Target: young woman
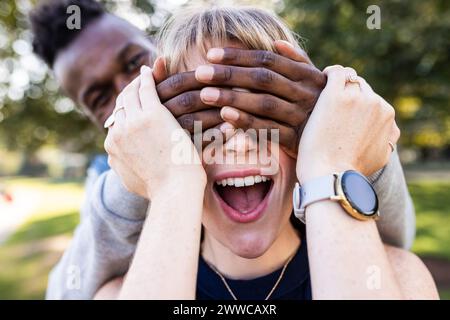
[251,248]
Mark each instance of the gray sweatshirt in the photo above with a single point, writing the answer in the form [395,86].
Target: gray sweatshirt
[112,219]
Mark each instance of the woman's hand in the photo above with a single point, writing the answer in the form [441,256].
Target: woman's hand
[141,143]
[350,128]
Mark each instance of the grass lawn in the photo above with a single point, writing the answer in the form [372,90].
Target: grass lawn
[432,203]
[36,246]
[29,254]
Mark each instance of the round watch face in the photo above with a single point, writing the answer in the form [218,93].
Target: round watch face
[359,192]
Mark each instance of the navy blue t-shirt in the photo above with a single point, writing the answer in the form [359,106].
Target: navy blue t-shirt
[295,284]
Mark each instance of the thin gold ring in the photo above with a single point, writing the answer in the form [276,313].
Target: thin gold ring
[352,78]
[391,145]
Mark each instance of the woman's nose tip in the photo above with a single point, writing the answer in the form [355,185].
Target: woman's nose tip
[241,143]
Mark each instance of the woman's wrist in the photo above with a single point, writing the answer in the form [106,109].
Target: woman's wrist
[310,170]
[190,180]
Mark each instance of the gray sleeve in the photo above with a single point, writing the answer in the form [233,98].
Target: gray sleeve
[397,224]
[103,243]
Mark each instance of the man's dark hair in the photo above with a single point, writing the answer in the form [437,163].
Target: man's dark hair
[48,24]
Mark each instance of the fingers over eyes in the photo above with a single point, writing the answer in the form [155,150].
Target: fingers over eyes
[159,70]
[187,102]
[260,79]
[286,49]
[176,84]
[261,104]
[252,77]
[207,118]
[131,100]
[147,89]
[291,69]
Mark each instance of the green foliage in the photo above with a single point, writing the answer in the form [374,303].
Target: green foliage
[33,112]
[406,61]
[432,205]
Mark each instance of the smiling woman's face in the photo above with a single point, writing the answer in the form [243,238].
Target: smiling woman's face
[246,206]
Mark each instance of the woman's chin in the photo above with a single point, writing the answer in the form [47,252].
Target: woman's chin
[250,246]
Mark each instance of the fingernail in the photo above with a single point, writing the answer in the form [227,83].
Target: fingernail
[210,94]
[215,54]
[204,73]
[229,114]
[145,68]
[286,43]
[156,61]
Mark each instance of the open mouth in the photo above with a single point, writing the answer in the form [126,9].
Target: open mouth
[244,198]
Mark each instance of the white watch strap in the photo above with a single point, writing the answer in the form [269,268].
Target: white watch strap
[312,191]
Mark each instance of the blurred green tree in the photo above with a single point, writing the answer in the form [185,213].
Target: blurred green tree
[33,112]
[406,61]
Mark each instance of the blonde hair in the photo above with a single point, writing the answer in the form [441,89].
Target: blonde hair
[203,28]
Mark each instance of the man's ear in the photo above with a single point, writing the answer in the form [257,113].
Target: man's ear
[159,70]
[287,50]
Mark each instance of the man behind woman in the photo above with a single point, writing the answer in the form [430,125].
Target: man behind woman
[112,218]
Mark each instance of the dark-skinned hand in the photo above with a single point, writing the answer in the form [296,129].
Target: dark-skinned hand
[283,87]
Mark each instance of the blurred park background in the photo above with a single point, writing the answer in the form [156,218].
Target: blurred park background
[46,143]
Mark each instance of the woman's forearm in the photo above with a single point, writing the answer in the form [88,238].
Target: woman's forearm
[347,257]
[351,127]
[166,259]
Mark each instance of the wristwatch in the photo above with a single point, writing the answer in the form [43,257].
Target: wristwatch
[350,188]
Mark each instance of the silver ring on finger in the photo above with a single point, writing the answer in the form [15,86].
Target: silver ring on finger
[392,146]
[109,122]
[112,118]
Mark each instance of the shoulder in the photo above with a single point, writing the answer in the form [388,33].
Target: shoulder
[110,290]
[411,274]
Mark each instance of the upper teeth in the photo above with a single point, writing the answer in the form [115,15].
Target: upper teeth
[242,181]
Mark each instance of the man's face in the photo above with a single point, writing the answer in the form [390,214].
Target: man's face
[100,62]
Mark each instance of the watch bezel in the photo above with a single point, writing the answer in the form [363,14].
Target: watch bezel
[348,204]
